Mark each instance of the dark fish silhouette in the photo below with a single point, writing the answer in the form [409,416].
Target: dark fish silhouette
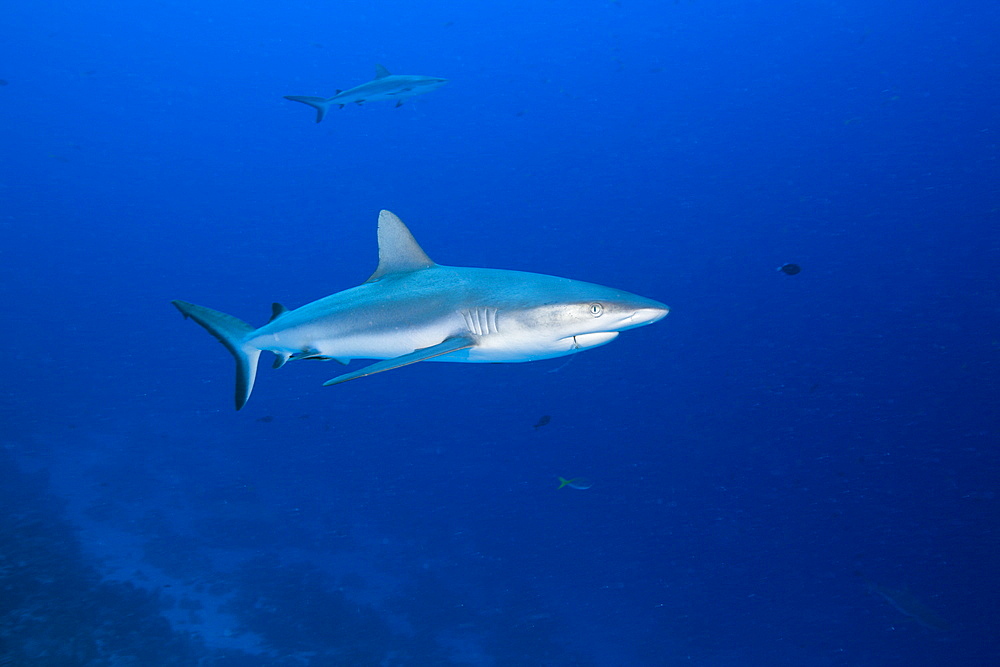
[545,419]
[790,269]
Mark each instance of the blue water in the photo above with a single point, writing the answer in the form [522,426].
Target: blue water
[787,470]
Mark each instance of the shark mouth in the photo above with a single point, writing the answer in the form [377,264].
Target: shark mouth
[588,340]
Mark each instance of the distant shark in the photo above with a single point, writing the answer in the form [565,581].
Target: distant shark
[412,309]
[384,86]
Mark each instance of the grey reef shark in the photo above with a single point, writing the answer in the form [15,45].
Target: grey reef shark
[385,86]
[412,309]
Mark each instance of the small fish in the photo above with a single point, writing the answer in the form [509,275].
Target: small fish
[579,483]
[542,421]
[790,269]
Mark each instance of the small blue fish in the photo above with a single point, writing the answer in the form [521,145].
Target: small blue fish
[580,483]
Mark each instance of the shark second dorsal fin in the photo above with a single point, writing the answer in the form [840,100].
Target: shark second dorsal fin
[277,310]
[398,251]
[381,72]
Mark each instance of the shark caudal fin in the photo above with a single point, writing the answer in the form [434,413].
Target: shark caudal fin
[321,104]
[230,332]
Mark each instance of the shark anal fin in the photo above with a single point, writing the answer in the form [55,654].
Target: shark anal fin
[444,347]
[279,359]
[399,103]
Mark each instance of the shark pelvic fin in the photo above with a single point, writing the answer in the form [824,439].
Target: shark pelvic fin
[444,347]
[398,251]
[230,332]
[321,104]
[381,72]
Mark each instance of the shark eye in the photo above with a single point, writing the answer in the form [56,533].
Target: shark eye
[596,309]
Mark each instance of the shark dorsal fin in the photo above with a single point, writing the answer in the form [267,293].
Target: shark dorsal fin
[398,251]
[381,72]
[277,310]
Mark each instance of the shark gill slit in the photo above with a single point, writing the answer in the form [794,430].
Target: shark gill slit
[481,321]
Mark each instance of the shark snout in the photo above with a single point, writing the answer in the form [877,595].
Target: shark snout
[648,315]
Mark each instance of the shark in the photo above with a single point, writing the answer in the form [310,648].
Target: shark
[385,86]
[412,309]
[906,603]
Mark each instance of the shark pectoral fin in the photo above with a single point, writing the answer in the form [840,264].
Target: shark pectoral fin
[444,347]
[399,103]
[321,104]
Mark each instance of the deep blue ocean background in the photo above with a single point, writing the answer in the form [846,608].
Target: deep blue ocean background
[787,470]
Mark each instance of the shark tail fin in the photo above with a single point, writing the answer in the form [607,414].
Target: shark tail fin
[321,104]
[230,332]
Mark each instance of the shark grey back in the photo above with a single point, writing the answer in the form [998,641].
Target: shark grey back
[412,309]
